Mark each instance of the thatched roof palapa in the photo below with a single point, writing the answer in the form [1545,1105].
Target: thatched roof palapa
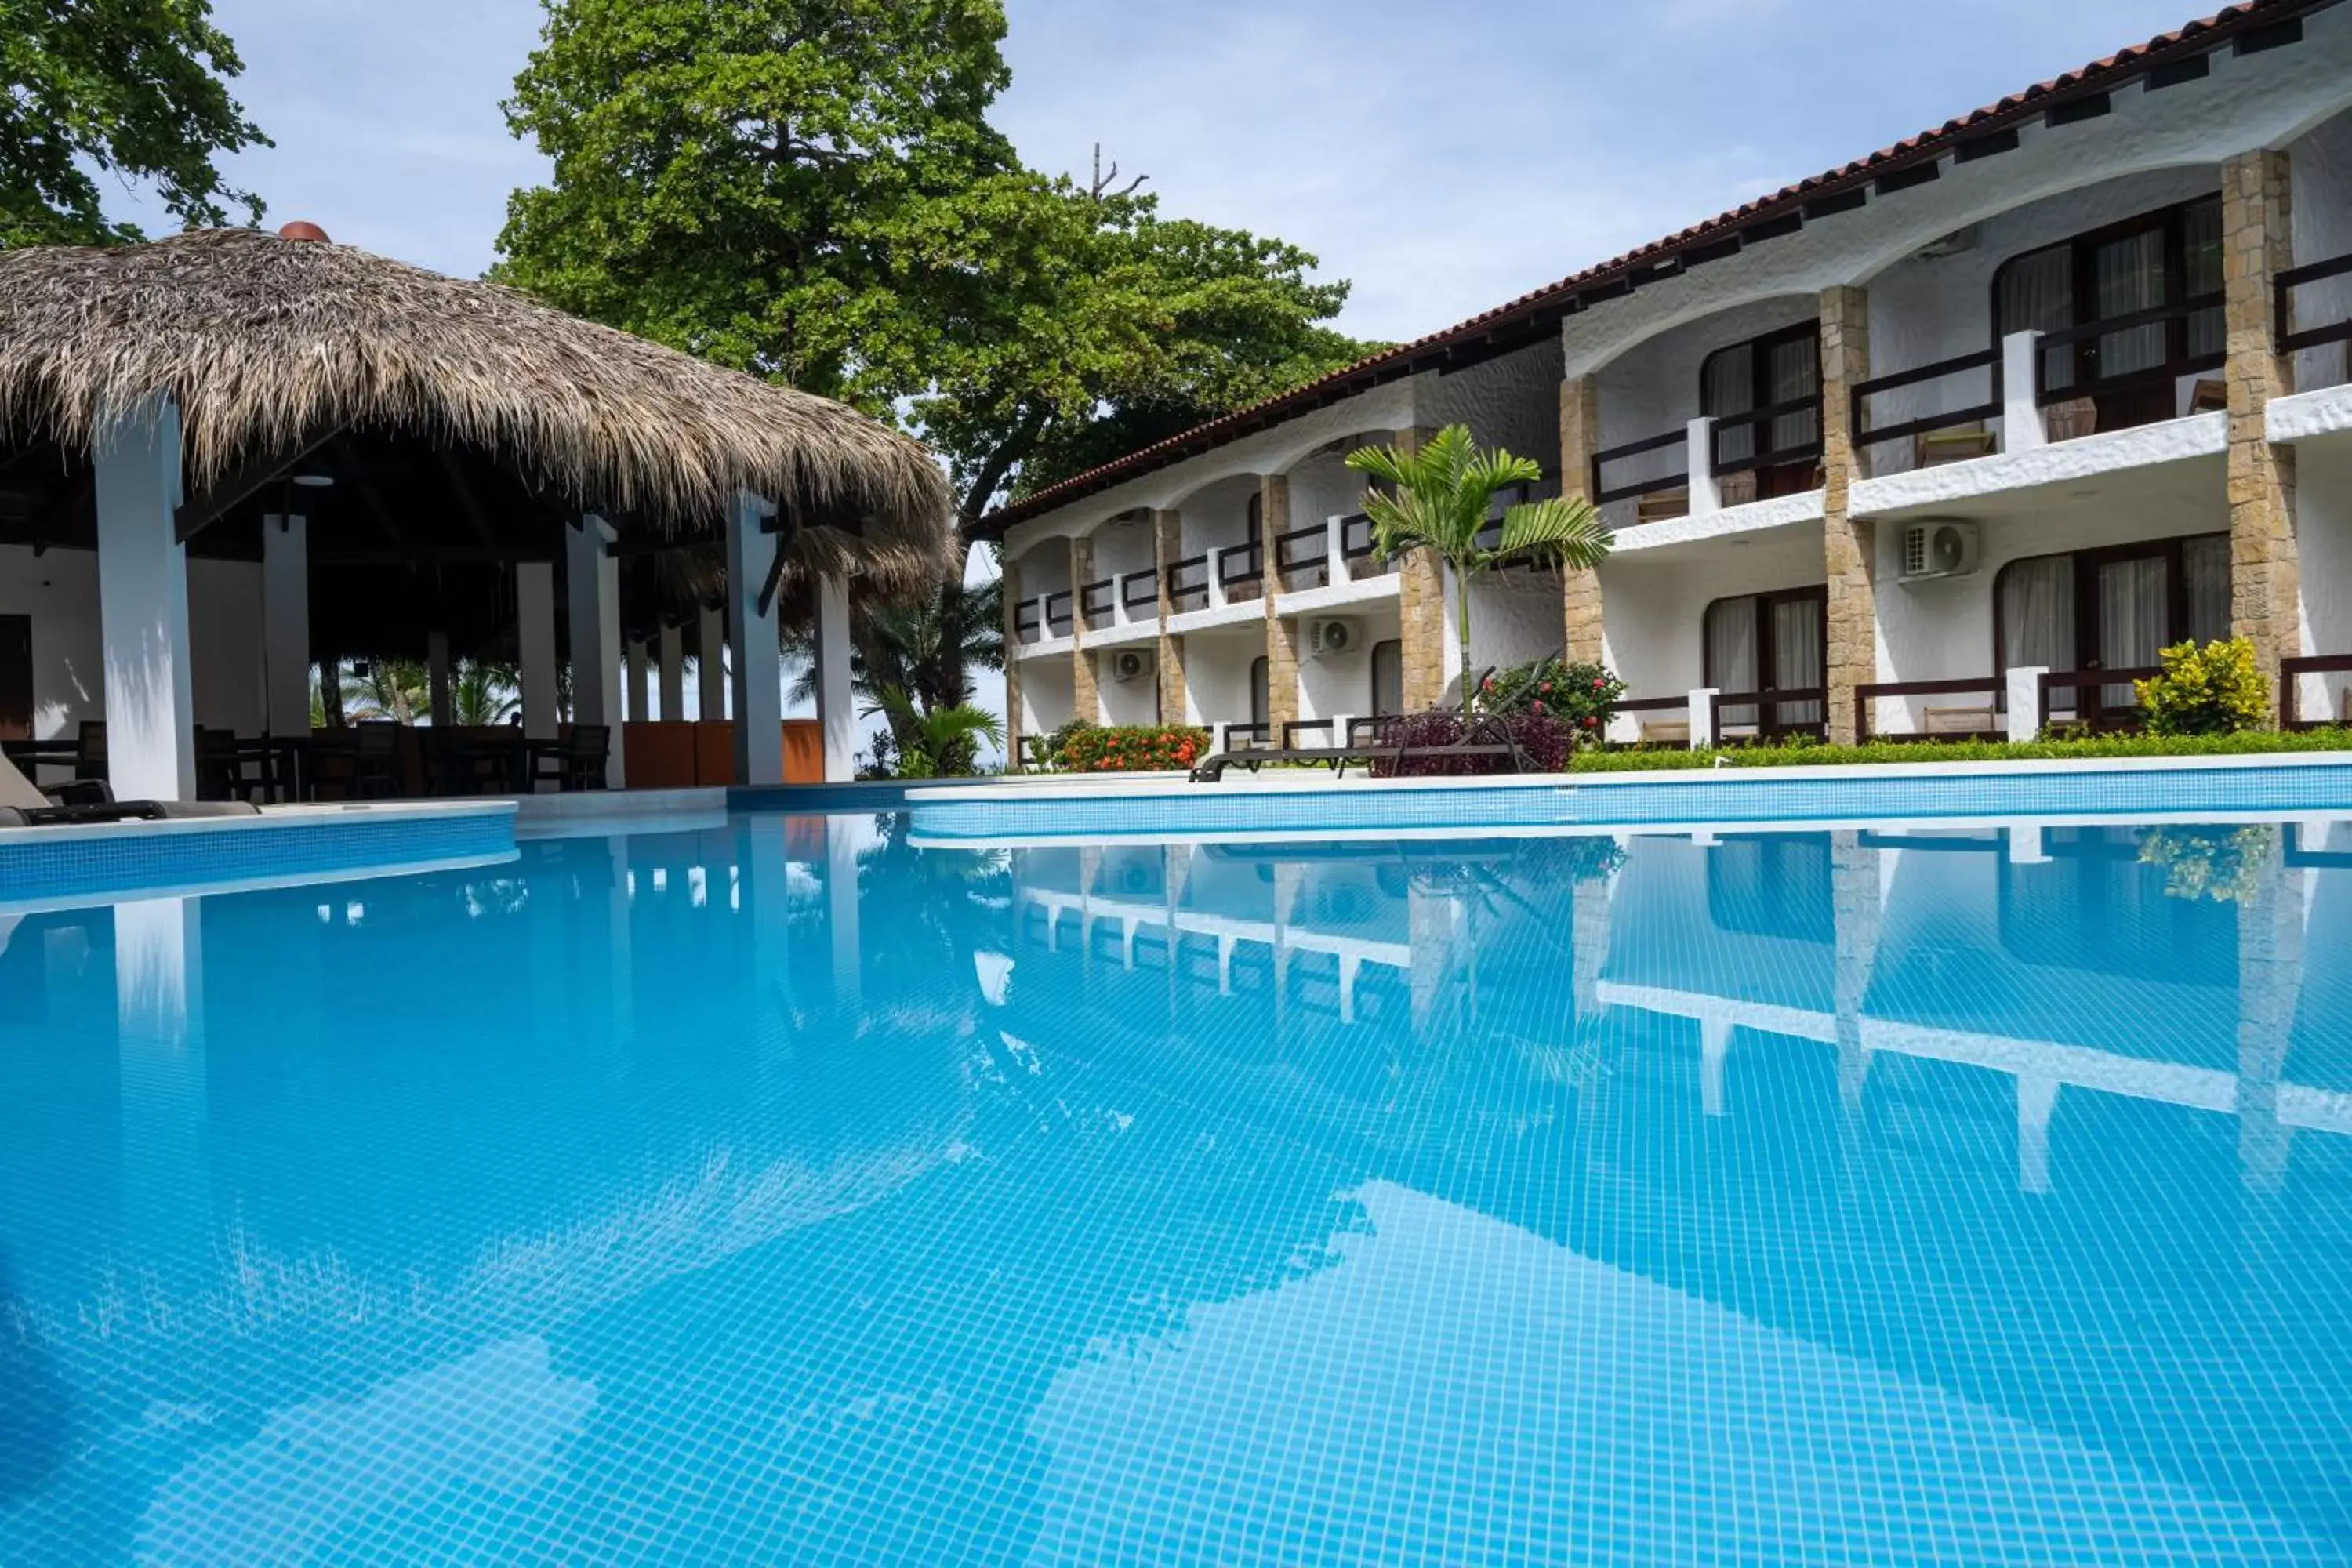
[269,343]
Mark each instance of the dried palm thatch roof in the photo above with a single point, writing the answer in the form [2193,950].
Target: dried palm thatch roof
[265,342]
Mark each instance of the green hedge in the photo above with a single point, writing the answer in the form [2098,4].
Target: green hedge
[1813,755]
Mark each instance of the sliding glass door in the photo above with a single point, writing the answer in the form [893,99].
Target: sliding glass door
[1761,643]
[2115,608]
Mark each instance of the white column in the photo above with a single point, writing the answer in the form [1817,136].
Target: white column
[142,599]
[835,711]
[2037,1097]
[593,580]
[2029,844]
[758,675]
[1706,495]
[535,634]
[1714,1051]
[2025,702]
[2021,412]
[710,665]
[639,679]
[286,623]
[841,836]
[159,990]
[1335,549]
[1702,717]
[1216,579]
[673,673]
[437,678]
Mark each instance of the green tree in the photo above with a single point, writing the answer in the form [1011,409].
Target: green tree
[134,89]
[811,190]
[393,689]
[1441,497]
[938,742]
[485,695]
[926,650]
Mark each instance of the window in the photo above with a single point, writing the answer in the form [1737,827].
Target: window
[1261,707]
[1778,368]
[2111,608]
[1388,678]
[1768,642]
[15,678]
[2168,260]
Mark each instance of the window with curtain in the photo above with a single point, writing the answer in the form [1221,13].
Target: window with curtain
[2134,603]
[1388,678]
[1797,656]
[2113,608]
[1777,367]
[2035,294]
[2037,613]
[1730,631]
[2168,257]
[2205,576]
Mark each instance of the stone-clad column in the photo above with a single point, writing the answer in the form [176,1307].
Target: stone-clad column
[1580,437]
[1281,635]
[1009,580]
[1423,609]
[1088,704]
[2257,243]
[1849,544]
[1168,546]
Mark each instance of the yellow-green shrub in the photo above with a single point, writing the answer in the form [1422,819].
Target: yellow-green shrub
[2212,690]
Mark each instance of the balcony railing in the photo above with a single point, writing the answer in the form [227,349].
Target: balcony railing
[1095,601]
[1604,492]
[1303,550]
[2294,339]
[1138,593]
[1188,582]
[2094,707]
[1870,436]
[2142,394]
[1491,536]
[1950,721]
[1242,566]
[1058,607]
[1029,620]
[2291,673]
[1765,454]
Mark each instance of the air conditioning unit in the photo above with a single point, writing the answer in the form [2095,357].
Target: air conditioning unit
[1326,639]
[1939,547]
[1128,664]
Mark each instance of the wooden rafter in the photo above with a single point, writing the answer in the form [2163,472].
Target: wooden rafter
[242,483]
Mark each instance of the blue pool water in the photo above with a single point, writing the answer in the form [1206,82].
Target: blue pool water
[783,1192]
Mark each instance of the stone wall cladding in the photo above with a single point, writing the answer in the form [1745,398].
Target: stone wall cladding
[1849,545]
[1167,545]
[2257,243]
[1281,635]
[1088,703]
[1580,437]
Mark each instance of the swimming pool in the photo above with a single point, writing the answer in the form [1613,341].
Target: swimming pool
[784,1192]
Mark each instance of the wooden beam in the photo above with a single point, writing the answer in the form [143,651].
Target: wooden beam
[430,555]
[241,484]
[786,529]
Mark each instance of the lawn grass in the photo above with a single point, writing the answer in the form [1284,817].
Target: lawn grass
[1809,755]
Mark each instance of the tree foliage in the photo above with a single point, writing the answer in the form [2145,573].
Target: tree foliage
[130,89]
[811,190]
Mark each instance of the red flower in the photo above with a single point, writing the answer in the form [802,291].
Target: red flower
[1599,682]
[1540,707]
[1590,722]
[1487,684]
[1545,689]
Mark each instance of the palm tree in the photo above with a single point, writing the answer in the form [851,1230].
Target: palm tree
[484,696]
[393,689]
[1442,497]
[938,742]
[926,652]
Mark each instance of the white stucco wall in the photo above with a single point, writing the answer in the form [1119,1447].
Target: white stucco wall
[1216,674]
[2321,166]
[1342,683]
[1124,546]
[59,590]
[1653,611]
[1511,401]
[1943,629]
[1514,616]
[1047,695]
[2324,533]
[1133,702]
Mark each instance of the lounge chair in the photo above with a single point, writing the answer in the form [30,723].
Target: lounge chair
[23,805]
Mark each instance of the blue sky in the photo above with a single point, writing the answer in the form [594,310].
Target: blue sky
[1447,159]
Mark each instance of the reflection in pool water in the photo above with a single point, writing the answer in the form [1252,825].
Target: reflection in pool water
[782,1192]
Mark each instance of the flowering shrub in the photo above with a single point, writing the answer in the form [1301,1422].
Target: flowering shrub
[1131,748]
[1544,739]
[2216,689]
[2222,866]
[1581,696]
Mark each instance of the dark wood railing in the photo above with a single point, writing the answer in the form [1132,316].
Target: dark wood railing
[1256,734]
[1651,705]
[1181,583]
[1140,591]
[1242,566]
[1095,600]
[1058,613]
[2291,670]
[2089,380]
[2091,709]
[1603,493]
[1291,551]
[1768,706]
[1761,421]
[1027,619]
[1865,705]
[2291,339]
[1961,365]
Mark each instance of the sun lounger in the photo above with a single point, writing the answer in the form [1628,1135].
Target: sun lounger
[23,805]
